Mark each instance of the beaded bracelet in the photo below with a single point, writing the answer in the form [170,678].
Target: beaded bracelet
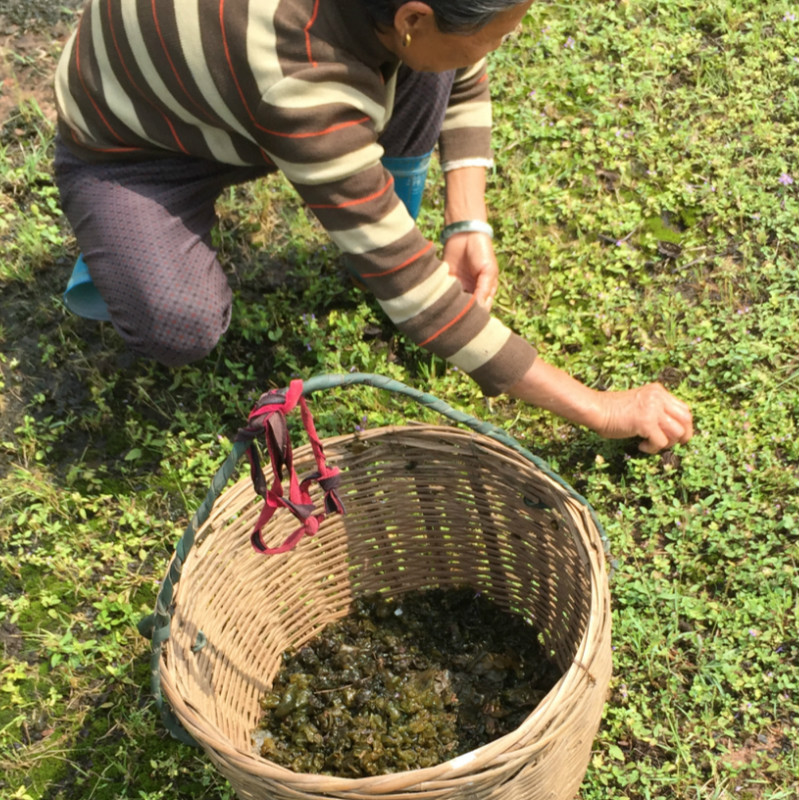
[466,226]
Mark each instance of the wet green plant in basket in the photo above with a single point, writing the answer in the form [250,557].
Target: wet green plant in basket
[404,683]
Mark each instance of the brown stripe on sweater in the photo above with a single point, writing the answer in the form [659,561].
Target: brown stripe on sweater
[454,145]
[298,25]
[353,201]
[506,368]
[368,184]
[324,132]
[474,87]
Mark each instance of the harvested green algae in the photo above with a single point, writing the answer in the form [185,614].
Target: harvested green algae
[404,683]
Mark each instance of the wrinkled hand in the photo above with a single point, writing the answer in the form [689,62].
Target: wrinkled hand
[649,411]
[471,259]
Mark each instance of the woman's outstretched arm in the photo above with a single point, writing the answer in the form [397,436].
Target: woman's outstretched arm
[650,412]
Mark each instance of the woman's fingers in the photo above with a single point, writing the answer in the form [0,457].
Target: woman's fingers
[485,290]
[670,424]
[666,433]
[650,412]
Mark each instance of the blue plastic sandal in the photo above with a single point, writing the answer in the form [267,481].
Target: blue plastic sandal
[410,177]
[81,296]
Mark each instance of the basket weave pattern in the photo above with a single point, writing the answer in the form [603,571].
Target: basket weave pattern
[426,506]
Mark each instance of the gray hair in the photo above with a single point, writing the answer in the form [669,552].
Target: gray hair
[452,16]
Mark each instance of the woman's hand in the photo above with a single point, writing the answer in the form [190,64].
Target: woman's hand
[651,412]
[470,255]
[471,259]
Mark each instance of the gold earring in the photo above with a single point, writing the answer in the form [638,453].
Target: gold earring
[407,40]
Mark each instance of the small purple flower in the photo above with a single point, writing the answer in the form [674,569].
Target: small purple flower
[789,17]
[569,43]
[785,179]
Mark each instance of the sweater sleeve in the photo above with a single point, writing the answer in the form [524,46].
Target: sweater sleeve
[465,138]
[333,160]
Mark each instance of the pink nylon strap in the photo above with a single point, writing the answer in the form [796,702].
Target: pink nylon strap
[268,417]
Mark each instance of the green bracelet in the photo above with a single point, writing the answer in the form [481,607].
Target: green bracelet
[466,226]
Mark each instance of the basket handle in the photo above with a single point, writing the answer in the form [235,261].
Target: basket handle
[156,626]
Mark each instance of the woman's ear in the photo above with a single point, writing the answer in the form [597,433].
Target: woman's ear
[413,18]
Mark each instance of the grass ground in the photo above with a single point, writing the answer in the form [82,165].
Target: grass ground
[645,202]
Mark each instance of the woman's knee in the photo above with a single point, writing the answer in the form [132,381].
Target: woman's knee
[176,336]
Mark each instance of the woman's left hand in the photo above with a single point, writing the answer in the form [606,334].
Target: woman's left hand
[471,259]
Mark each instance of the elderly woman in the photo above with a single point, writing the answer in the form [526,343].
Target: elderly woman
[163,105]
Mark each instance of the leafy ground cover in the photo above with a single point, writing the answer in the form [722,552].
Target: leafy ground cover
[645,201]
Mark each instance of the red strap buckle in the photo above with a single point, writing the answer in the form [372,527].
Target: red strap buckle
[268,417]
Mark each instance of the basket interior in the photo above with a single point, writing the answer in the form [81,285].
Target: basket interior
[426,506]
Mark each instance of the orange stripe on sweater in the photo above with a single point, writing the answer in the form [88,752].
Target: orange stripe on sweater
[356,202]
[101,149]
[133,83]
[339,126]
[196,105]
[308,34]
[404,264]
[449,324]
[83,85]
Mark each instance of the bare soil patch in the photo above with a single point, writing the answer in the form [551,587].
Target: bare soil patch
[32,33]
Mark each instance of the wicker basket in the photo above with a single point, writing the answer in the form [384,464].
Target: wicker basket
[426,506]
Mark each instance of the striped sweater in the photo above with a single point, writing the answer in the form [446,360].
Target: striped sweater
[304,86]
